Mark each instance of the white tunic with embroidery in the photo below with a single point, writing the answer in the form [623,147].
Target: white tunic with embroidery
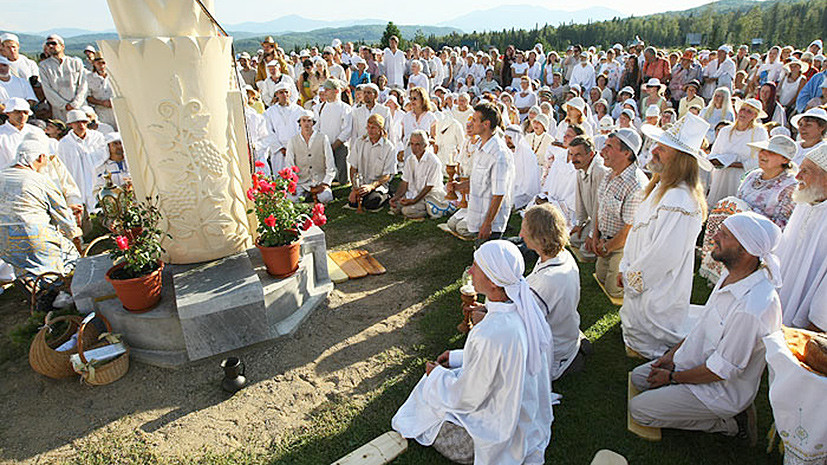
[657,268]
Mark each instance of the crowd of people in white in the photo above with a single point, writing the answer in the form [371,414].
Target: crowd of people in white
[637,157]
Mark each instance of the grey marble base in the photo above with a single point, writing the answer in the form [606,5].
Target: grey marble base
[210,308]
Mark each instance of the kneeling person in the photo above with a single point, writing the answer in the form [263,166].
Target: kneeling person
[372,164]
[421,192]
[310,151]
[710,379]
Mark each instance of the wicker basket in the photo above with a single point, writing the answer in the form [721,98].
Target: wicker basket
[43,357]
[103,374]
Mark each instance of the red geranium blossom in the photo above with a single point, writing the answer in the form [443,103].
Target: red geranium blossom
[270,221]
[122,242]
[259,164]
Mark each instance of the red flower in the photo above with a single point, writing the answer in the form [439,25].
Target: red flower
[259,164]
[122,242]
[255,178]
[251,194]
[270,221]
[265,187]
[319,220]
[295,169]
[291,187]
[307,224]
[286,173]
[318,209]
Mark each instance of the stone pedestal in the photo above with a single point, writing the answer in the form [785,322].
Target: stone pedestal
[210,308]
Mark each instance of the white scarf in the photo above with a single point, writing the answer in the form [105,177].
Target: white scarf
[503,264]
[760,237]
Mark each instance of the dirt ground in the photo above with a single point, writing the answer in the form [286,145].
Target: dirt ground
[342,349]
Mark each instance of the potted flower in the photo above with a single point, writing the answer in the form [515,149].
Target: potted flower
[136,274]
[280,219]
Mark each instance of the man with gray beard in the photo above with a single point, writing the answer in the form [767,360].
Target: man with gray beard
[803,248]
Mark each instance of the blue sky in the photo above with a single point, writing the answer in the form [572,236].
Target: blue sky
[40,15]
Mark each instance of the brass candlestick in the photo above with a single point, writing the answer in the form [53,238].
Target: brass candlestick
[451,169]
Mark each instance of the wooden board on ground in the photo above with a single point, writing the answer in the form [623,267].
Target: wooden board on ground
[579,255]
[632,353]
[380,451]
[348,264]
[615,300]
[368,262]
[444,227]
[608,457]
[646,432]
[336,273]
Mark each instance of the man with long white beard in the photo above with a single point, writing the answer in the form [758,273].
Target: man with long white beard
[803,249]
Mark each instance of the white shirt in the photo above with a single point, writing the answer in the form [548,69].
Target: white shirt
[487,391]
[556,286]
[421,173]
[64,82]
[18,87]
[803,256]
[583,75]
[282,124]
[492,174]
[657,269]
[410,123]
[10,138]
[257,134]
[725,181]
[418,80]
[449,135]
[335,120]
[462,116]
[361,113]
[394,67]
[373,161]
[318,175]
[801,152]
[727,339]
[24,67]
[82,158]
[267,87]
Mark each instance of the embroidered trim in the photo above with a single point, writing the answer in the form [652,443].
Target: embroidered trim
[635,279]
[668,209]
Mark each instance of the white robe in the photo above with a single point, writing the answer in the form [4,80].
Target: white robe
[657,269]
[526,175]
[487,391]
[282,124]
[803,256]
[559,186]
[63,83]
[725,181]
[82,157]
[449,136]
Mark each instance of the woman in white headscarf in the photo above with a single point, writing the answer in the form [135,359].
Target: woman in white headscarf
[526,169]
[489,403]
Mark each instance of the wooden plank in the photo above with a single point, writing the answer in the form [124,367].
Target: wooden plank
[632,353]
[380,451]
[579,255]
[614,300]
[368,262]
[646,432]
[348,264]
[444,227]
[608,457]
[336,273]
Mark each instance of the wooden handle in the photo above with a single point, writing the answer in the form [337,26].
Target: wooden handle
[80,334]
[33,304]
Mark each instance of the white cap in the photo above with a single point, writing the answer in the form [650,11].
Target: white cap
[306,113]
[818,156]
[336,43]
[76,115]
[273,63]
[577,103]
[56,38]
[630,138]
[725,48]
[9,36]
[819,113]
[606,123]
[329,50]
[652,110]
[113,137]
[782,145]
[754,103]
[32,146]
[17,104]
[90,48]
[686,135]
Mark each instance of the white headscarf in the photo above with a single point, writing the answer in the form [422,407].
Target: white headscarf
[503,264]
[32,146]
[759,236]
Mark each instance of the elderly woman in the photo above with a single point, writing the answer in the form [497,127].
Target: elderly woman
[37,228]
[811,127]
[730,154]
[767,190]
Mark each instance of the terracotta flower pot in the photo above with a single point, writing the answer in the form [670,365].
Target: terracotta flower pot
[138,295]
[281,261]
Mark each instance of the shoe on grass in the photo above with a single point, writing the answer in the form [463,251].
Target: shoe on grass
[747,426]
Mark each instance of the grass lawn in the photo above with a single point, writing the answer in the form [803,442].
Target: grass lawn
[592,415]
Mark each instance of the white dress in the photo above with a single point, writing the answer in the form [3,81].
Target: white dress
[725,181]
[657,268]
[487,391]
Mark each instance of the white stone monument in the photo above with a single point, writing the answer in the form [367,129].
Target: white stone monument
[181,117]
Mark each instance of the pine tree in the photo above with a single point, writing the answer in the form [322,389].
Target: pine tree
[391,30]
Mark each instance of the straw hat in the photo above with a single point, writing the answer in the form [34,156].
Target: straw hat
[753,103]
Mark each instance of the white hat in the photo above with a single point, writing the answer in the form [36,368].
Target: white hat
[782,145]
[56,38]
[816,42]
[88,110]
[627,89]
[392,98]
[336,42]
[818,156]
[9,36]
[32,146]
[654,82]
[780,131]
[272,63]
[89,48]
[306,113]
[542,119]
[686,135]
[754,103]
[652,110]
[577,103]
[795,61]
[244,55]
[357,61]
[113,137]
[371,86]
[819,113]
[629,113]
[629,137]
[17,104]
[575,89]
[76,115]
[725,48]
[329,50]
[281,86]
[606,123]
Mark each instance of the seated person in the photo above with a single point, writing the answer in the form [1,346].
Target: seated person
[489,403]
[708,381]
[372,164]
[555,281]
[421,192]
[312,153]
[37,228]
[115,167]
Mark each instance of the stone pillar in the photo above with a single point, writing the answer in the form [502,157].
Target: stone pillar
[181,117]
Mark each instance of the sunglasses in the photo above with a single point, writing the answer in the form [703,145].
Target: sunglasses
[51,42]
